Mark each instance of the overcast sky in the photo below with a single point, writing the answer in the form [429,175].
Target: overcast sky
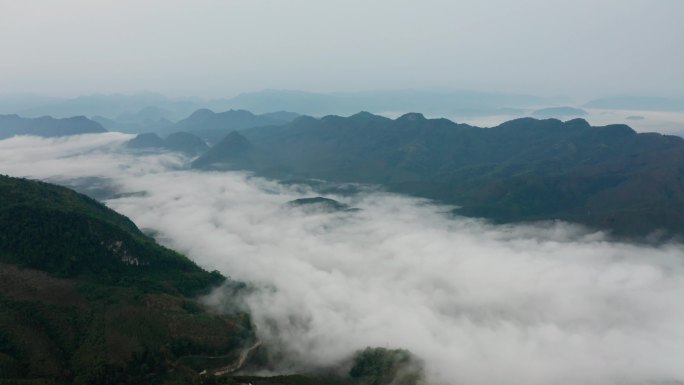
[218,48]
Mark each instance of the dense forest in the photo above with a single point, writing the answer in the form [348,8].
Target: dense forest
[607,177]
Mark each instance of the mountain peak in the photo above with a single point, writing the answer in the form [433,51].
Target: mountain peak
[185,142]
[304,119]
[578,122]
[202,113]
[412,116]
[47,126]
[231,147]
[363,115]
[146,140]
[232,143]
[237,113]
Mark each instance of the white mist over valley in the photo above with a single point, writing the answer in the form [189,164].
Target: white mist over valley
[548,303]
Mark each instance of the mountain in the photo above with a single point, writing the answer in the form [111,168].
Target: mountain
[205,119]
[283,116]
[114,106]
[526,169]
[121,112]
[66,234]
[11,125]
[87,298]
[212,126]
[147,140]
[209,125]
[434,102]
[186,143]
[140,112]
[233,149]
[183,142]
[148,119]
[559,112]
[149,113]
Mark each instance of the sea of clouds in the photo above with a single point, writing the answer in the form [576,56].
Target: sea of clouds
[551,303]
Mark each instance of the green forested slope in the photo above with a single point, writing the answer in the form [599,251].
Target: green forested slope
[523,170]
[86,298]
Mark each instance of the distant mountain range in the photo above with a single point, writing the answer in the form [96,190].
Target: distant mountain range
[212,126]
[559,112]
[130,111]
[189,135]
[433,102]
[115,106]
[46,126]
[208,125]
[148,119]
[522,170]
[151,112]
[183,142]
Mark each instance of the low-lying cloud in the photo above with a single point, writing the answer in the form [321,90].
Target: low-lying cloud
[480,304]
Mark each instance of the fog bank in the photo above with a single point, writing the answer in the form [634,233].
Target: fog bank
[480,304]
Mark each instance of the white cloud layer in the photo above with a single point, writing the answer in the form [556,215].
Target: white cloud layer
[481,304]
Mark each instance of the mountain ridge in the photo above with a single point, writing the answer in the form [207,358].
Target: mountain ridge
[47,126]
[522,170]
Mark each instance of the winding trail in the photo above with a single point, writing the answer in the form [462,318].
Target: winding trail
[244,355]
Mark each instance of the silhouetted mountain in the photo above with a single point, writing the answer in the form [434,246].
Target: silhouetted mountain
[183,142]
[148,119]
[134,127]
[129,110]
[205,119]
[283,116]
[234,148]
[212,126]
[87,298]
[149,113]
[115,105]
[436,102]
[186,143]
[147,140]
[11,125]
[111,125]
[559,112]
[525,169]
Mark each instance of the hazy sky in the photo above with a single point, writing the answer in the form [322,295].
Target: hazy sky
[216,48]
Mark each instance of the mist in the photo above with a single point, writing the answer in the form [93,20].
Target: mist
[549,303]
